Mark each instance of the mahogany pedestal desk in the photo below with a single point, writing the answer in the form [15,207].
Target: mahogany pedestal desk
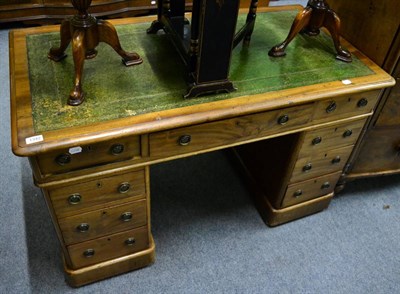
[293,131]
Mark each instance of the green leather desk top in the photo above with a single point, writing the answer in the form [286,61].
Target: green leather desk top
[115,91]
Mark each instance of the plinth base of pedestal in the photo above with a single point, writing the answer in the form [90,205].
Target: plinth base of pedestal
[273,217]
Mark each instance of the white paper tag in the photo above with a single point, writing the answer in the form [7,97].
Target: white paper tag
[75,150]
[346,82]
[34,139]
[153,2]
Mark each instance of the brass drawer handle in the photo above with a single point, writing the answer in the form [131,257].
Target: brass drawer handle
[117,149]
[316,140]
[126,216]
[88,252]
[283,119]
[63,159]
[83,227]
[130,241]
[307,167]
[331,107]
[184,140]
[124,187]
[298,193]
[74,199]
[325,185]
[347,133]
[336,160]
[362,102]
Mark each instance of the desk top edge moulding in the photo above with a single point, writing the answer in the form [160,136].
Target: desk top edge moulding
[300,115]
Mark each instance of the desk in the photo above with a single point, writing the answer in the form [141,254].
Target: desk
[292,134]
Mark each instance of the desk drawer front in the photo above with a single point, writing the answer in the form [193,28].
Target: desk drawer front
[320,164]
[90,155]
[345,106]
[101,222]
[310,189]
[98,193]
[327,138]
[226,132]
[108,247]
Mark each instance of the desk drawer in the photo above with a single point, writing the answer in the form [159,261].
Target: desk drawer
[227,132]
[321,163]
[79,157]
[98,193]
[101,222]
[310,189]
[345,106]
[333,137]
[108,247]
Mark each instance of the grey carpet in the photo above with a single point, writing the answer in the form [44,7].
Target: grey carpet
[209,237]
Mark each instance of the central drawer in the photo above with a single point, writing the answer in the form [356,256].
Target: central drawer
[228,132]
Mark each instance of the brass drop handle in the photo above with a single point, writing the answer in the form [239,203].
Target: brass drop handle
[325,185]
[336,160]
[347,133]
[307,167]
[362,102]
[298,193]
[316,140]
[74,199]
[63,159]
[130,241]
[117,149]
[124,187]
[184,140]
[88,252]
[331,107]
[283,119]
[83,227]
[126,216]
